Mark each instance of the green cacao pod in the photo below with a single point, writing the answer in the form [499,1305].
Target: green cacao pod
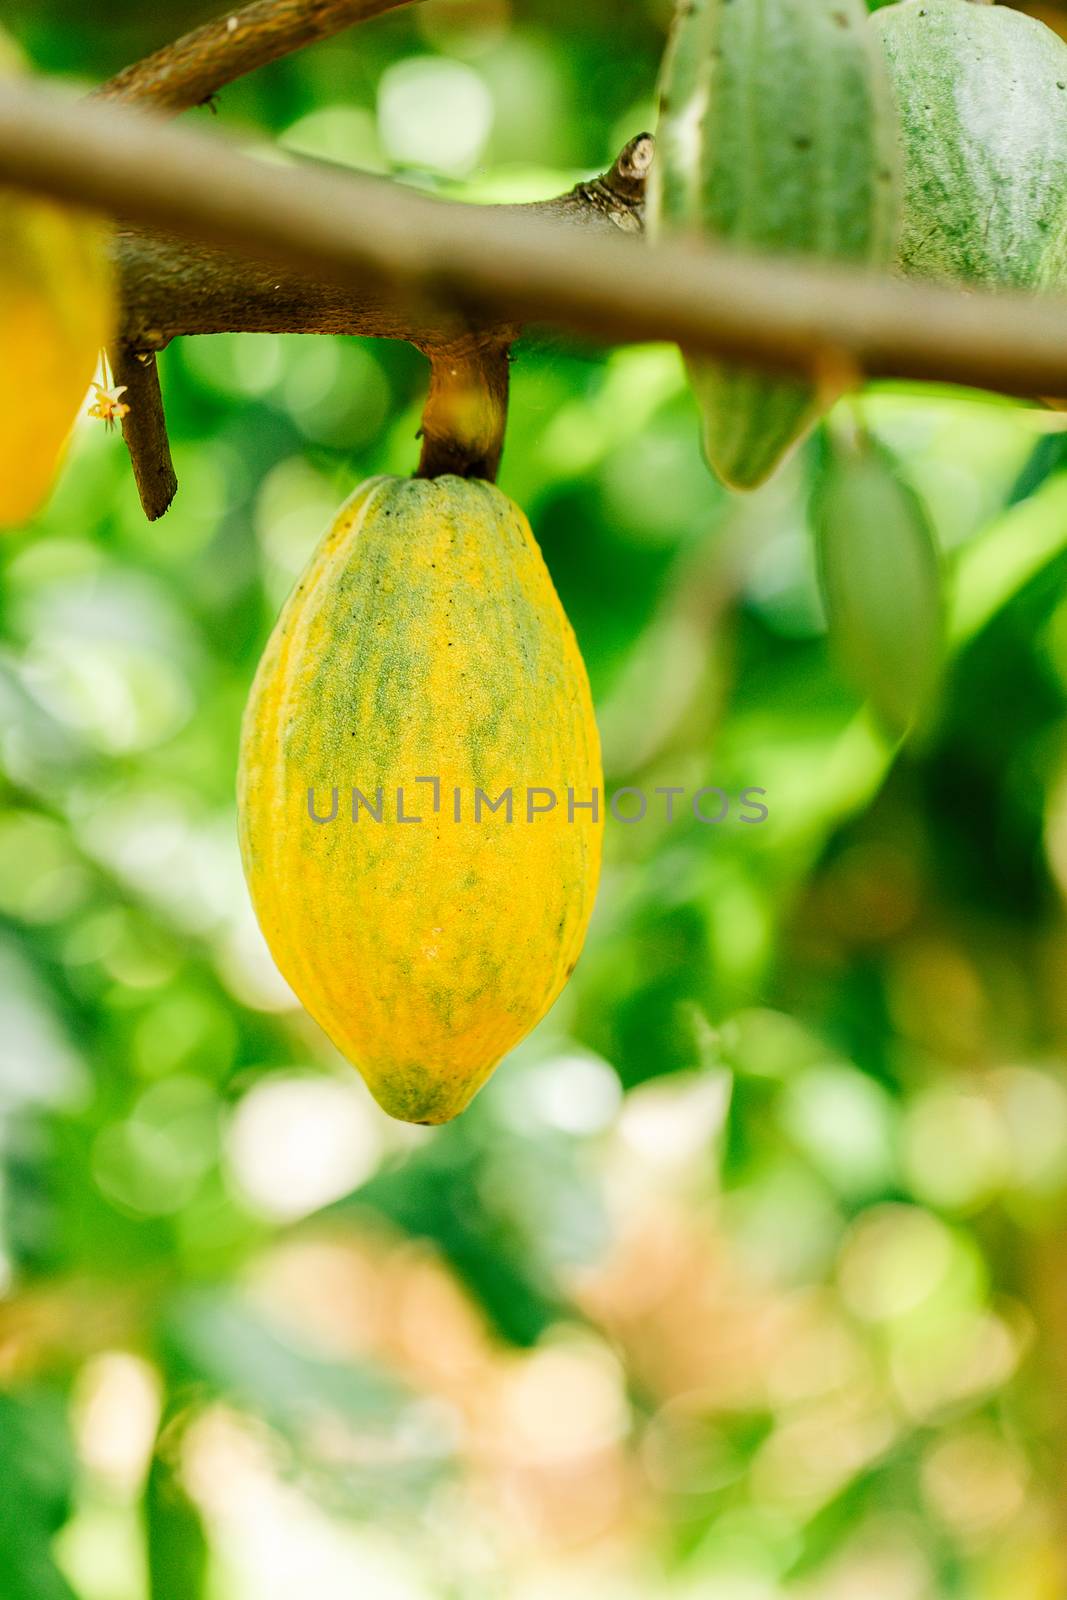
[982,98]
[880,573]
[776,134]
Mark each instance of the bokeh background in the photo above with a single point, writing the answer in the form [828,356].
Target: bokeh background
[745,1276]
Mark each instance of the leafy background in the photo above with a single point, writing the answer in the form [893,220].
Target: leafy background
[744,1276]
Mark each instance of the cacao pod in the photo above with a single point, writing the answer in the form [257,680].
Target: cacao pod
[56,314]
[776,134]
[982,98]
[880,574]
[423,656]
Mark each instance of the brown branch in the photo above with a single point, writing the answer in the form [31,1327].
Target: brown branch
[173,286]
[187,73]
[144,428]
[195,67]
[375,244]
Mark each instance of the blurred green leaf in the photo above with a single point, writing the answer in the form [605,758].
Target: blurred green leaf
[215,1340]
[454,1193]
[175,1544]
[1007,555]
[36,1483]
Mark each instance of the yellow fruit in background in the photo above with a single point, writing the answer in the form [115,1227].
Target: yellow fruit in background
[57,308]
[423,656]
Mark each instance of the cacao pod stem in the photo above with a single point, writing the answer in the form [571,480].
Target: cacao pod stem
[466,411]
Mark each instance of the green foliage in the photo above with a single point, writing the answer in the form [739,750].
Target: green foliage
[211,1339]
[175,1547]
[500,1209]
[37,1471]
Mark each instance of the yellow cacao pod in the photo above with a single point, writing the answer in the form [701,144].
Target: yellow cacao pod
[422,661]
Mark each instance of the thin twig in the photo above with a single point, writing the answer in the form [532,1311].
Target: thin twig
[144,429]
[192,69]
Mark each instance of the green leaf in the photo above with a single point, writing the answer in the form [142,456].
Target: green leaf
[213,1338]
[456,1194]
[176,1549]
[1002,560]
[213,1341]
[36,1475]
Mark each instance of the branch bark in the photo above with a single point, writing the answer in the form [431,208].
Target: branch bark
[173,286]
[194,68]
[144,429]
[186,73]
[443,270]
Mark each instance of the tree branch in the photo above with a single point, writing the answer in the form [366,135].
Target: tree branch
[195,67]
[444,270]
[188,73]
[144,429]
[173,286]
